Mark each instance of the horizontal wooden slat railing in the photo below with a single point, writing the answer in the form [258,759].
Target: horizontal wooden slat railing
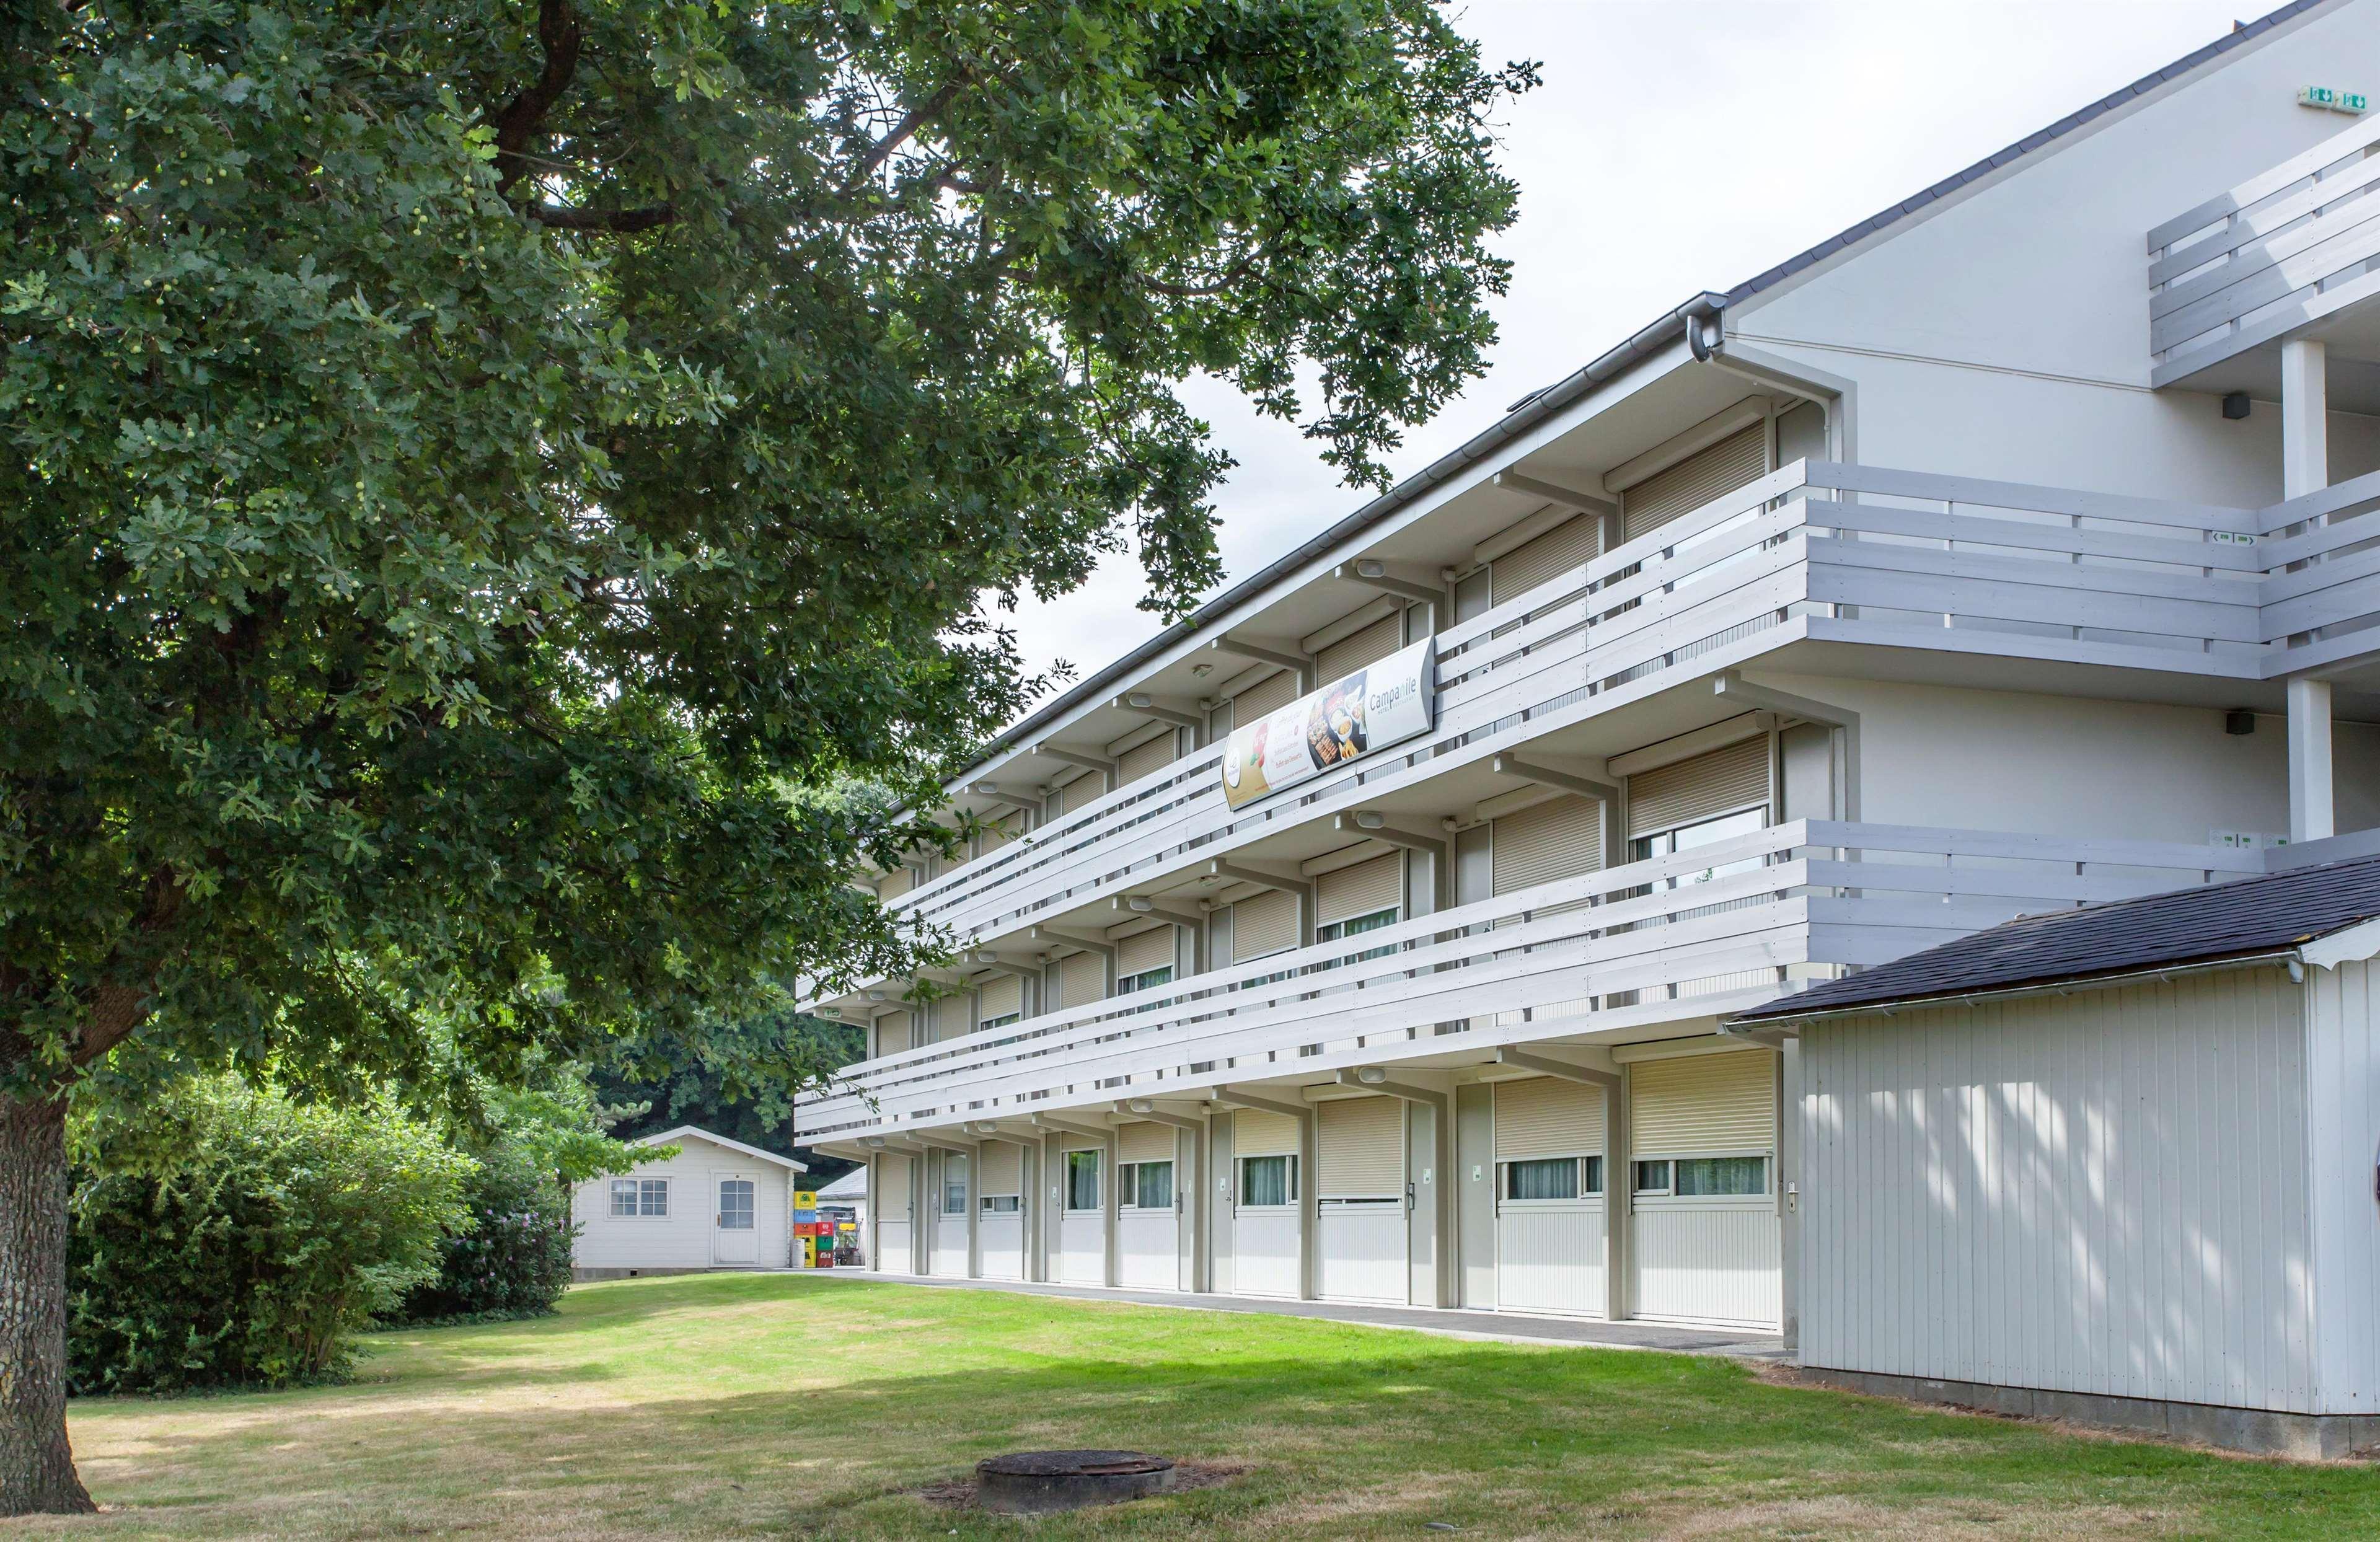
[1682,935]
[1830,552]
[2284,248]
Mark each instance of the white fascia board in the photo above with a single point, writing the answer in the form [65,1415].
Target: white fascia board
[667,1137]
[2349,945]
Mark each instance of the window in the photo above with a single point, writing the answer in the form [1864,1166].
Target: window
[1001,1021]
[1002,1203]
[1267,1180]
[1744,822]
[640,1197]
[1083,1180]
[1720,1175]
[1553,1178]
[1652,1177]
[954,1184]
[1355,926]
[1145,1185]
[1148,979]
[735,1204]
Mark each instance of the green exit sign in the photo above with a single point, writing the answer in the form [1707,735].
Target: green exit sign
[2331,99]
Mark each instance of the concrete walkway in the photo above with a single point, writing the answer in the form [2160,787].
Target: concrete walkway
[1498,1326]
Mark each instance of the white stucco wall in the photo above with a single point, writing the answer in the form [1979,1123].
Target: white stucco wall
[683,1238]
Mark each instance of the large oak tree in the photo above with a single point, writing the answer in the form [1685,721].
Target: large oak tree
[478,476]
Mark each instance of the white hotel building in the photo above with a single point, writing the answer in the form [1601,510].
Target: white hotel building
[2017,549]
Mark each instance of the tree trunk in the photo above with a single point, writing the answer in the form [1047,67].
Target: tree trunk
[37,1471]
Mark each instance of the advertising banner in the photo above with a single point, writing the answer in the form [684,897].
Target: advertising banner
[1383,703]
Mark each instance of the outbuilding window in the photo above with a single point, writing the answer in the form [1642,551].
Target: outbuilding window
[954,1184]
[639,1196]
[1002,1204]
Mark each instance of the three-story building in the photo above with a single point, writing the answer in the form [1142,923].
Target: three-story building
[1368,936]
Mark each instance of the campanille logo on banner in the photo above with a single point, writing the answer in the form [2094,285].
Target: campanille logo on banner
[1381,704]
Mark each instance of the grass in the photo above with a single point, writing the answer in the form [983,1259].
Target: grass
[776,1405]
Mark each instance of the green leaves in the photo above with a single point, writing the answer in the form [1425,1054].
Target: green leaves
[482,483]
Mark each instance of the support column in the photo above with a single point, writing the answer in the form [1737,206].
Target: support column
[2313,812]
[2305,467]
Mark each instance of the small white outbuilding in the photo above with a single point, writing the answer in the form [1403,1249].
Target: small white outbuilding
[717,1204]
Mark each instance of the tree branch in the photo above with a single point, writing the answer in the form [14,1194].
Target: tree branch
[911,121]
[516,125]
[619,222]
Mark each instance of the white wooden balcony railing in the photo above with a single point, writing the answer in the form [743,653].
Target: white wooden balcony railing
[1832,552]
[2282,249]
[1684,935]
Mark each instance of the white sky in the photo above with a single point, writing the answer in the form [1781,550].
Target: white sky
[1678,146]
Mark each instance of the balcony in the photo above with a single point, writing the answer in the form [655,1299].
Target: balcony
[1785,570]
[1687,936]
[2287,254]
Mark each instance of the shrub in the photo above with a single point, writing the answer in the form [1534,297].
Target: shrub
[248,1236]
[514,1261]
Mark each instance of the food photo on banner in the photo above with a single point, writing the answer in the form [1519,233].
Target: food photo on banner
[1384,703]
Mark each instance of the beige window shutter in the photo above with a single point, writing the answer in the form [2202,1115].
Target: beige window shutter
[999,997]
[1082,791]
[1733,776]
[1697,1105]
[1736,461]
[1082,979]
[1361,646]
[894,884]
[1359,889]
[1547,557]
[1560,838]
[1148,760]
[1547,1116]
[1003,1168]
[1362,1148]
[892,1033]
[1145,1142]
[1268,695]
[1262,924]
[893,1187]
[1144,951]
[1260,1133]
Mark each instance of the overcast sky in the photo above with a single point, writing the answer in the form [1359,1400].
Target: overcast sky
[1678,146]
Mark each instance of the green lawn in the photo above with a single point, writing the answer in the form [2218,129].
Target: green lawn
[777,1405]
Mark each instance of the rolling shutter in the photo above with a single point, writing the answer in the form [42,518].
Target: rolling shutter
[1741,458]
[1148,758]
[1547,1116]
[1547,557]
[1359,889]
[1268,695]
[1363,1148]
[1003,1168]
[1144,1143]
[1262,924]
[1734,776]
[998,997]
[1082,979]
[892,1033]
[1696,1105]
[1144,951]
[893,1187]
[1001,831]
[1560,838]
[894,884]
[1082,791]
[1259,1132]
[1361,646]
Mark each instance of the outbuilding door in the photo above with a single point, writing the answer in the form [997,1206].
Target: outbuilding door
[734,1220]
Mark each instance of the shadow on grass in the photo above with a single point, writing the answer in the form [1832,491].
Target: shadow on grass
[1349,1430]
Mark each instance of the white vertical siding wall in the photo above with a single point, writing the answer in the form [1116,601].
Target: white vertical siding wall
[2097,1193]
[2343,1140]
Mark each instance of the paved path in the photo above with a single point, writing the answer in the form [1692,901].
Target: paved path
[1501,1326]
